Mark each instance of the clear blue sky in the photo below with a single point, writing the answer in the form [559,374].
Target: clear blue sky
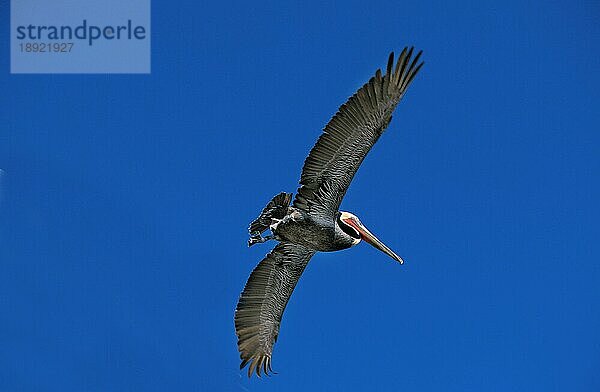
[125,201]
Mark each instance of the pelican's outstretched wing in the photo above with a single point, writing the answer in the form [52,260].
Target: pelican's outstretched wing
[261,305]
[349,136]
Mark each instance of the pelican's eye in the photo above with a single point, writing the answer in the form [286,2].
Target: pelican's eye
[348,229]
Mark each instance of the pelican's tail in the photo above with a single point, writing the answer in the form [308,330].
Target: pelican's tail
[275,210]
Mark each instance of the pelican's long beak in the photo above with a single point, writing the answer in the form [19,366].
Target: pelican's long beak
[371,239]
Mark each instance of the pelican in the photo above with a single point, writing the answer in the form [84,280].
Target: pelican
[313,222]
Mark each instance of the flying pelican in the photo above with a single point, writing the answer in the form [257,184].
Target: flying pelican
[313,222]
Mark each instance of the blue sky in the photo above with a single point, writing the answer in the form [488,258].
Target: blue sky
[125,200]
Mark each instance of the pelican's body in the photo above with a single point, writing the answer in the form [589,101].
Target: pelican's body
[321,235]
[312,222]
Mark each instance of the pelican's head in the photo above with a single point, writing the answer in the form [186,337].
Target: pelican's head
[351,225]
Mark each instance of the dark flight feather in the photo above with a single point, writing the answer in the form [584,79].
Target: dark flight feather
[261,305]
[348,137]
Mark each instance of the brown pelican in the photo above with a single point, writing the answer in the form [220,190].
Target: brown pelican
[313,223]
